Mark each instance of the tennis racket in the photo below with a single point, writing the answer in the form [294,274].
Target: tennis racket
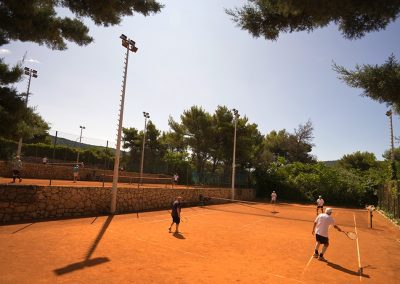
[350,235]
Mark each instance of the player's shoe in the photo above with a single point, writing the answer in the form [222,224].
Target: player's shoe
[321,258]
[315,255]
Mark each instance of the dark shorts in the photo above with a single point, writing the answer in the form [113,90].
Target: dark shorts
[322,240]
[16,173]
[320,207]
[176,219]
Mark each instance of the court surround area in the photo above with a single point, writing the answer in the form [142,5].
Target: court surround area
[227,243]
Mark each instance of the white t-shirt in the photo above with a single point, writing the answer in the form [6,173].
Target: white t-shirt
[323,221]
[320,202]
[273,196]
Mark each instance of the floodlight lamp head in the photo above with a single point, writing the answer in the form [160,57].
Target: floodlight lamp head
[123,37]
[35,75]
[133,48]
[131,42]
[27,72]
[389,113]
[26,69]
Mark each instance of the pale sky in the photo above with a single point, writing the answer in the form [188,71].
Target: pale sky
[193,54]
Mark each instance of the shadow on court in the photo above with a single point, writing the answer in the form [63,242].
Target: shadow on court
[179,236]
[87,262]
[22,228]
[348,271]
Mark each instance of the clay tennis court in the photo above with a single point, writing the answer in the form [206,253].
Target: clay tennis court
[228,243]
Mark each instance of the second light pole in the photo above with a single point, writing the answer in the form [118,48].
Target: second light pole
[80,141]
[236,117]
[146,116]
[31,73]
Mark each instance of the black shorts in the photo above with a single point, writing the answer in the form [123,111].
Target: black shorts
[320,207]
[322,240]
[176,219]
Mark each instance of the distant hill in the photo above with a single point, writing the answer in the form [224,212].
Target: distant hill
[330,163]
[73,144]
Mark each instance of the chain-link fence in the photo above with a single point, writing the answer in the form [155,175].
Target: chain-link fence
[98,154]
[389,199]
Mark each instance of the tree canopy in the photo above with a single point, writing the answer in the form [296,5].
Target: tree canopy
[354,18]
[38,21]
[380,83]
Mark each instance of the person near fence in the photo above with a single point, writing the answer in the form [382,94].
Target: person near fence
[16,169]
[176,214]
[176,178]
[44,160]
[273,197]
[320,204]
[76,172]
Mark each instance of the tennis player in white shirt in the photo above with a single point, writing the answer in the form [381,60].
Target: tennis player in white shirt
[321,228]
[273,197]
[320,204]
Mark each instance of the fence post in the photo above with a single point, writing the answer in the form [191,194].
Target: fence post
[105,162]
[54,154]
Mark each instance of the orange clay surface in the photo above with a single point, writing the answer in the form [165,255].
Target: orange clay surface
[228,243]
[70,183]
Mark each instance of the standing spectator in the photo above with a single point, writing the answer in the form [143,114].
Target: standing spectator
[176,178]
[76,172]
[44,160]
[273,197]
[17,168]
[320,204]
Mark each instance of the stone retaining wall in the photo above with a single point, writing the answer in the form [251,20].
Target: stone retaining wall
[23,203]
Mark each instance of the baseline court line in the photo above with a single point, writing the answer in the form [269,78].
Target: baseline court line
[358,247]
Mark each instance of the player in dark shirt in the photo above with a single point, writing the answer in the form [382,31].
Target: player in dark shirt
[176,214]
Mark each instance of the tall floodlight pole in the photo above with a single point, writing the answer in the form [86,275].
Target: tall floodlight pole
[130,46]
[236,117]
[146,116]
[31,73]
[80,141]
[389,113]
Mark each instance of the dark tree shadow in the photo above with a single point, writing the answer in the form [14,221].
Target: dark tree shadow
[87,262]
[360,272]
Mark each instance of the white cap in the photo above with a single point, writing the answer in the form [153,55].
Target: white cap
[328,211]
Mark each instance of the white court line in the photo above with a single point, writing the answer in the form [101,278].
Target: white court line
[251,223]
[162,220]
[358,247]
[284,277]
[170,248]
[308,264]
